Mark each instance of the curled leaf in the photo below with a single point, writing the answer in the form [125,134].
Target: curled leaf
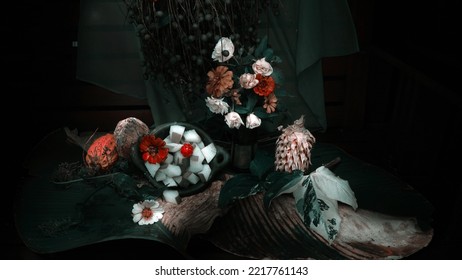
[327,183]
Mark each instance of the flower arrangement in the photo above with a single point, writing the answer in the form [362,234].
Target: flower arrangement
[177,37]
[253,80]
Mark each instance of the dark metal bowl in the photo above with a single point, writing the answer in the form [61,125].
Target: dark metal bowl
[220,160]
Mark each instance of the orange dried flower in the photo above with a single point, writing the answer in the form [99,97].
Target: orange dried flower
[220,81]
[271,102]
[236,97]
[102,153]
[153,149]
[265,85]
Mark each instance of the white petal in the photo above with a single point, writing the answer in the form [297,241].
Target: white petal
[149,221]
[137,208]
[137,218]
[150,203]
[159,216]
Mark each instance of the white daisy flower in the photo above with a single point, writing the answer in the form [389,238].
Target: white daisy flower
[147,212]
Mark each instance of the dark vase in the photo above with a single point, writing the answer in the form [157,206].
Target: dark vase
[243,148]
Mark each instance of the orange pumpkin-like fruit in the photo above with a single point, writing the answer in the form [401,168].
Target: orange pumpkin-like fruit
[102,154]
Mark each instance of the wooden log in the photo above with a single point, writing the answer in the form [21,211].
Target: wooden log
[248,230]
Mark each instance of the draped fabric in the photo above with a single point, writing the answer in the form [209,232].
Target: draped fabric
[301,34]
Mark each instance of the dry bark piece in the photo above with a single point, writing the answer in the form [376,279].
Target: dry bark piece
[249,230]
[195,214]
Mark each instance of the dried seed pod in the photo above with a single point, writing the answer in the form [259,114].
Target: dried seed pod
[127,133]
[293,148]
[102,153]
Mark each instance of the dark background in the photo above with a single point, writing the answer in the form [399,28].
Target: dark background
[406,78]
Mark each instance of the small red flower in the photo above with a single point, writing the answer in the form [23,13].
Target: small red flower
[265,85]
[153,149]
[187,150]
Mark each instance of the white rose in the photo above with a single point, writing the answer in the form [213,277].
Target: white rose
[252,121]
[248,80]
[217,105]
[263,67]
[233,120]
[224,50]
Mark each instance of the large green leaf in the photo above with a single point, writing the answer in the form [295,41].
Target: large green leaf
[53,219]
[333,187]
[316,201]
[249,105]
[329,221]
[238,187]
[278,183]
[307,204]
[262,164]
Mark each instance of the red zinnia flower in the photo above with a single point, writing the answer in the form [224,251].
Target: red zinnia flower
[153,149]
[265,85]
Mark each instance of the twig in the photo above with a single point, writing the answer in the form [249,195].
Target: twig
[332,163]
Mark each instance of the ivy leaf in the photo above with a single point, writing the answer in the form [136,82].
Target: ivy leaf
[278,183]
[238,187]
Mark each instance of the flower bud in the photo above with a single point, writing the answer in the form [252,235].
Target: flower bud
[233,120]
[252,121]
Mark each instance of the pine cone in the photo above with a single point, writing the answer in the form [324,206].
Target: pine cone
[293,147]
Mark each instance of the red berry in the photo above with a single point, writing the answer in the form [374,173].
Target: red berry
[187,150]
